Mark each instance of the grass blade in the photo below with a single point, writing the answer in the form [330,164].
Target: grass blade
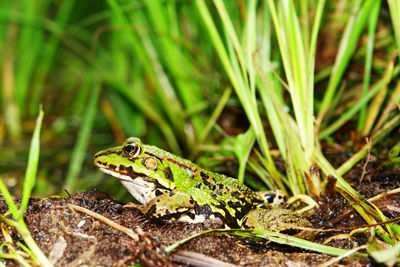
[11,110]
[394,8]
[33,161]
[376,104]
[30,39]
[49,51]
[232,59]
[30,178]
[243,145]
[347,46]
[348,115]
[368,59]
[8,198]
[78,153]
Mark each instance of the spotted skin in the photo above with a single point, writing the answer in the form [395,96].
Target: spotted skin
[170,187]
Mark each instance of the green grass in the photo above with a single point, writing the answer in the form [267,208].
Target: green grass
[83,139]
[18,212]
[164,71]
[273,237]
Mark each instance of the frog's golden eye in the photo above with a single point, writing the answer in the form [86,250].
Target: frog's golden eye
[131,150]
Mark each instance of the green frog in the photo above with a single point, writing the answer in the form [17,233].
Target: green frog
[173,188]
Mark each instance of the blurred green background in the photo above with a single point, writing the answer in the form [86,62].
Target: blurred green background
[106,70]
[103,71]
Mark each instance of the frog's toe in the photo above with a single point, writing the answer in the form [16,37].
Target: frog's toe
[132,205]
[140,207]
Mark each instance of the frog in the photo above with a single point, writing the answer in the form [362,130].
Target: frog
[169,187]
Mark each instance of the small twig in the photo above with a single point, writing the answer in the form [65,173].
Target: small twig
[105,220]
[284,84]
[197,259]
[393,208]
[366,160]
[385,194]
[337,259]
[66,191]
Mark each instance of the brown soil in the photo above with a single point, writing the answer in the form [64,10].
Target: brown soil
[88,241]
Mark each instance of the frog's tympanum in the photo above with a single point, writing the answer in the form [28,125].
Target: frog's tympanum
[170,187]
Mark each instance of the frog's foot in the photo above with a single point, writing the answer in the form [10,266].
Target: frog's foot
[140,207]
[133,205]
[278,220]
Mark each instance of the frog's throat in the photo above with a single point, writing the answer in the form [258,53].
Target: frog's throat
[139,186]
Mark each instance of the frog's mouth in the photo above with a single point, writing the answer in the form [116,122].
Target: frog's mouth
[121,176]
[140,186]
[119,171]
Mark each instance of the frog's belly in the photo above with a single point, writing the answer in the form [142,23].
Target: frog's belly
[193,219]
[198,218]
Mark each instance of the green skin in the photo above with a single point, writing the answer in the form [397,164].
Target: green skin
[170,187]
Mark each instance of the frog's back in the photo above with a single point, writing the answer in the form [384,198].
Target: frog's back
[195,171]
[223,195]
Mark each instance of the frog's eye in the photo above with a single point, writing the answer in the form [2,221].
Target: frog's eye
[131,150]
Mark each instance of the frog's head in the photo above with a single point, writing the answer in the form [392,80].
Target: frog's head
[143,173]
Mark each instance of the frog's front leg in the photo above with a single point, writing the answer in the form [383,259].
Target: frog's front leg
[277,220]
[168,204]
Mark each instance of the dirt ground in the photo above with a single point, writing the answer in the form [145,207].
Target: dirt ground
[72,238]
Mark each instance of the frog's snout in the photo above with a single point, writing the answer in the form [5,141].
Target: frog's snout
[99,159]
